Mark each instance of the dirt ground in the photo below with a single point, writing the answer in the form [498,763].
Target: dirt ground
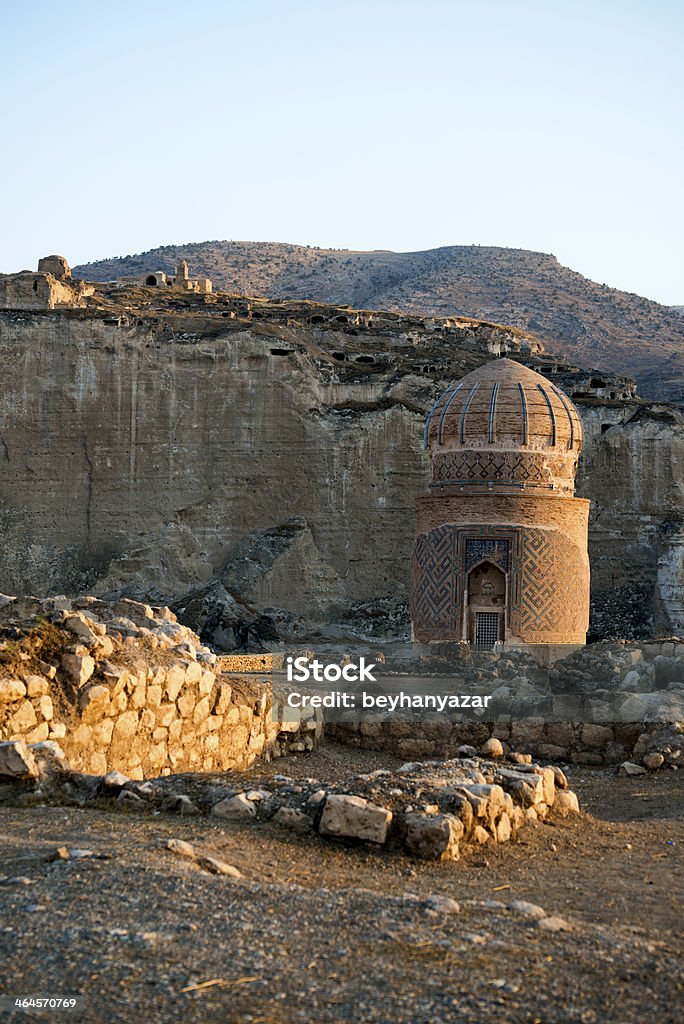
[318,931]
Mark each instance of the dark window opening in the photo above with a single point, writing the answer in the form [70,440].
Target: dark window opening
[595,382]
[281,351]
[316,319]
[35,286]
[339,356]
[365,359]
[487,628]
[605,426]
[151,280]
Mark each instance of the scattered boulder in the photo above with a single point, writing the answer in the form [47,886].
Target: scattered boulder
[532,910]
[516,758]
[61,853]
[235,807]
[353,817]
[553,924]
[566,803]
[50,760]
[290,817]
[218,867]
[433,837]
[442,904]
[492,748]
[115,779]
[178,802]
[17,761]
[630,768]
[128,797]
[465,750]
[180,847]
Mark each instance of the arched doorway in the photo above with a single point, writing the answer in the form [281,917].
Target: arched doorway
[151,280]
[485,605]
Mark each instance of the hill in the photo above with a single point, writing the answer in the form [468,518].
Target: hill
[582,321]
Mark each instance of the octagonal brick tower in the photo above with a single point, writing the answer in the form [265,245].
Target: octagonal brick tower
[501,542]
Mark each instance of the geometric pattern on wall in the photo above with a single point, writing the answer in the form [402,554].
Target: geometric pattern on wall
[510,538]
[433,580]
[442,558]
[494,551]
[537,469]
[555,590]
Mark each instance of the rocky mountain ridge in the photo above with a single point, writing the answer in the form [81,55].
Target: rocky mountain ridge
[576,318]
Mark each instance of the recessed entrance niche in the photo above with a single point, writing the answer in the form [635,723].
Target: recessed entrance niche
[485,605]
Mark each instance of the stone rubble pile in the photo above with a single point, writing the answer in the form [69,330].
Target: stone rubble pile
[429,809]
[122,685]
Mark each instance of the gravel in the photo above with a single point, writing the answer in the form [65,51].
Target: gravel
[143,930]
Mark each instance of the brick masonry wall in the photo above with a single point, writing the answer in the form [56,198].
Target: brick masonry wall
[567,514]
[548,597]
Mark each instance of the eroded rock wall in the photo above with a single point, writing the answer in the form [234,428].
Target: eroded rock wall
[632,468]
[132,455]
[163,452]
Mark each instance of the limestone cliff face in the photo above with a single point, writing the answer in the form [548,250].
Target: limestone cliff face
[279,449]
[633,471]
[135,454]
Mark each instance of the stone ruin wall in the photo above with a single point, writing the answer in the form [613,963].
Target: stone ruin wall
[606,704]
[128,688]
[579,743]
[153,449]
[41,291]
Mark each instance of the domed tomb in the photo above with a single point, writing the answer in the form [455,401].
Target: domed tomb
[501,542]
[503,424]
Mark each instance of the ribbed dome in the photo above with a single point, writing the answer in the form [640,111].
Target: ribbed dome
[504,424]
[504,402]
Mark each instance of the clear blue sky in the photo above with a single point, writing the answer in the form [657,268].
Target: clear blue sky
[554,126]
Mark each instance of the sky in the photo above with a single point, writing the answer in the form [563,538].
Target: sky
[554,126]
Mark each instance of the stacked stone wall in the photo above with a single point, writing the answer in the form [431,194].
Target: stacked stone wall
[124,686]
[602,705]
[582,743]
